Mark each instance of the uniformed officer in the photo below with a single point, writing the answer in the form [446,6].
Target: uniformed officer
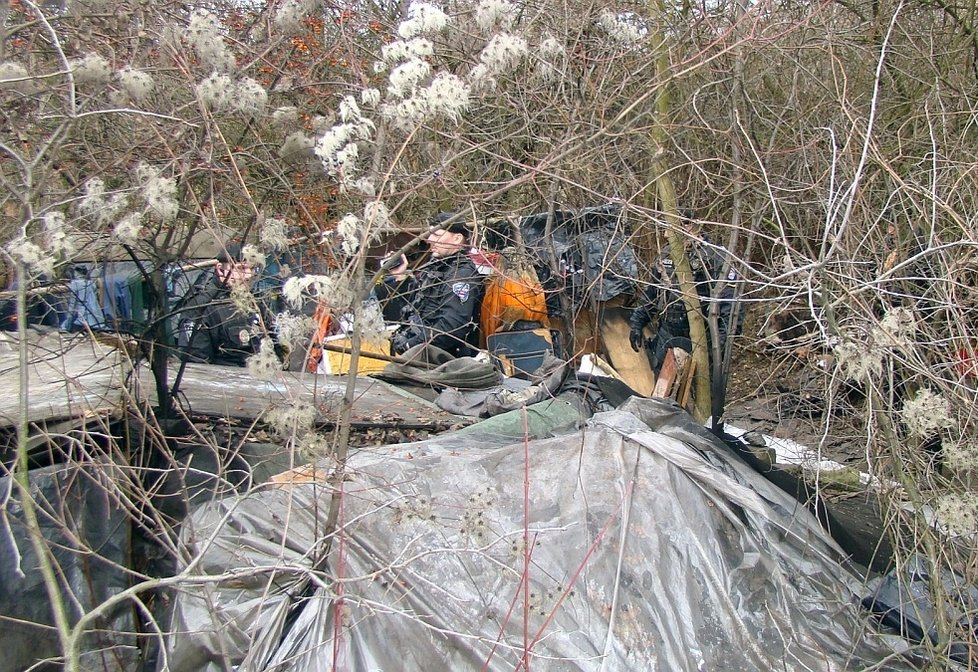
[210,328]
[395,290]
[663,298]
[449,288]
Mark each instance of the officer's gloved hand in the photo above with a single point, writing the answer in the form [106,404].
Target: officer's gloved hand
[636,339]
[405,339]
[399,343]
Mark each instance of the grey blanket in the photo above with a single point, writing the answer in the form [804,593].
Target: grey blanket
[431,366]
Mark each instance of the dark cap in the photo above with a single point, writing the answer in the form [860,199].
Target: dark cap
[456,225]
[230,252]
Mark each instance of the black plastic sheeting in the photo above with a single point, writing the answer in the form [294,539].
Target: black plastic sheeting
[584,252]
[636,543]
[87,532]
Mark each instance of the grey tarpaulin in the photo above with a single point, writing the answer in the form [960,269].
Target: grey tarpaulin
[542,419]
[87,532]
[612,548]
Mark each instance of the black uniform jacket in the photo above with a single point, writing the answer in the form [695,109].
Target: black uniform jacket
[445,304]
[211,330]
[663,296]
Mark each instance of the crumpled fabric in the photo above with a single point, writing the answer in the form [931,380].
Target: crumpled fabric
[546,384]
[433,367]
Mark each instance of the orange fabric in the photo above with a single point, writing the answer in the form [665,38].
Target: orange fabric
[509,299]
[322,320]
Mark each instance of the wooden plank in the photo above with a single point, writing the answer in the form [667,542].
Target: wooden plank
[667,376]
[675,377]
[684,385]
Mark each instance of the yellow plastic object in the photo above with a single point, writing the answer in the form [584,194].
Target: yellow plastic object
[338,363]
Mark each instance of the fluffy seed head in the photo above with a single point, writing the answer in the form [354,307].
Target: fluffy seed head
[423,19]
[91,69]
[314,446]
[399,51]
[264,364]
[370,97]
[295,419]
[448,96]
[36,260]
[927,413]
[349,229]
[360,185]
[407,76]
[56,237]
[332,290]
[290,16]
[205,36]
[490,14]
[250,98]
[136,84]
[274,234]
[285,118]
[369,319]
[618,29]
[293,330]
[961,454]
[252,255]
[297,147]
[857,361]
[349,110]
[958,512]
[129,230]
[504,52]
[161,198]
[377,218]
[216,92]
[407,114]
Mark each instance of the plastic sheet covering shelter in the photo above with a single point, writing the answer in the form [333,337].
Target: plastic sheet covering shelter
[590,247]
[87,532]
[613,548]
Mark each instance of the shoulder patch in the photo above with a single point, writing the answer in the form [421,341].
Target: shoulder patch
[462,290]
[186,329]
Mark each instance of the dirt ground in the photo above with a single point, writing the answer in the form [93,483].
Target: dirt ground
[780,392]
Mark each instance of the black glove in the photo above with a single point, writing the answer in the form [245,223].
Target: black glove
[636,339]
[405,339]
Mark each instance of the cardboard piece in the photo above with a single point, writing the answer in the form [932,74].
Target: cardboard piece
[633,367]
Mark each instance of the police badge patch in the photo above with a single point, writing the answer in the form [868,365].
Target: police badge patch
[461,290]
[186,331]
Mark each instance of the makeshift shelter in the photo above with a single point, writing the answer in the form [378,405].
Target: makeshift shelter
[585,265]
[639,542]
